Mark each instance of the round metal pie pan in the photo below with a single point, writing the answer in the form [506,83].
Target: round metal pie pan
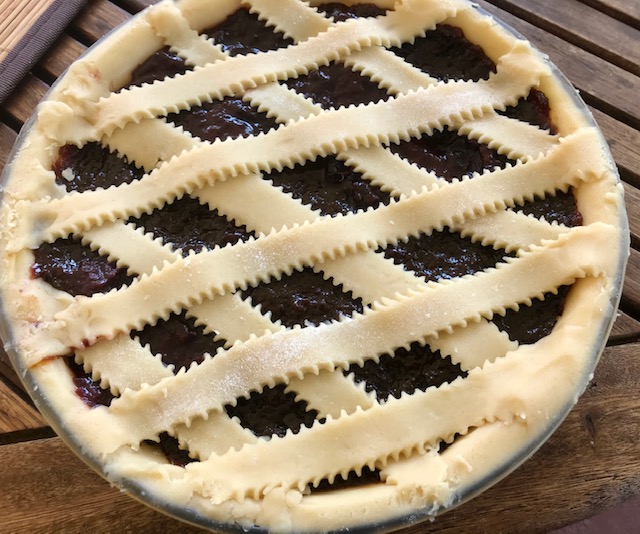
[465,493]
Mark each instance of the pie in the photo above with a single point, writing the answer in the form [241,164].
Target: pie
[309,266]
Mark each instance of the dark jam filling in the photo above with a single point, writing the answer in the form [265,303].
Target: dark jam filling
[172,451]
[69,266]
[450,155]
[340,12]
[443,255]
[242,33]
[531,323]
[188,225]
[368,476]
[89,391]
[92,167]
[446,54]
[160,65]
[334,86]
[302,298]
[561,208]
[179,341]
[407,371]
[533,109]
[272,412]
[221,119]
[330,186]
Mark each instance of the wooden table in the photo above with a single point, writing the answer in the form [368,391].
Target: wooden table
[591,463]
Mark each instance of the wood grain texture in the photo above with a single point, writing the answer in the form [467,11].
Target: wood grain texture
[64,52]
[7,140]
[631,289]
[625,10]
[583,26]
[615,90]
[64,495]
[623,141]
[15,413]
[591,463]
[98,19]
[22,103]
[624,327]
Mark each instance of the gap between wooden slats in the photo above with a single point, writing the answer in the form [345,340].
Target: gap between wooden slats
[627,11]
[583,26]
[603,85]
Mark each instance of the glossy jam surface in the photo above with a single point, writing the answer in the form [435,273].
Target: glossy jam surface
[328,185]
[272,412]
[405,372]
[92,167]
[336,86]
[446,54]
[303,298]
[179,341]
[69,266]
[190,226]
[449,155]
[443,255]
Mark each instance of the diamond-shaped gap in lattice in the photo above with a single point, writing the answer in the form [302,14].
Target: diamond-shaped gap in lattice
[188,225]
[450,155]
[68,265]
[533,109]
[160,65]
[529,324]
[329,185]
[223,119]
[444,255]
[243,33]
[272,412]
[406,371]
[561,208]
[303,298]
[92,167]
[334,86]
[228,34]
[179,341]
[446,54]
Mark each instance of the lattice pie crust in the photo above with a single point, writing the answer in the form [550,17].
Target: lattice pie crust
[512,396]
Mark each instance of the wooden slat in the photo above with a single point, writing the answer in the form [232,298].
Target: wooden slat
[632,200]
[626,10]
[631,289]
[134,6]
[624,142]
[46,488]
[7,139]
[25,98]
[16,414]
[625,326]
[585,26]
[64,52]
[591,463]
[614,89]
[98,19]
[7,372]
